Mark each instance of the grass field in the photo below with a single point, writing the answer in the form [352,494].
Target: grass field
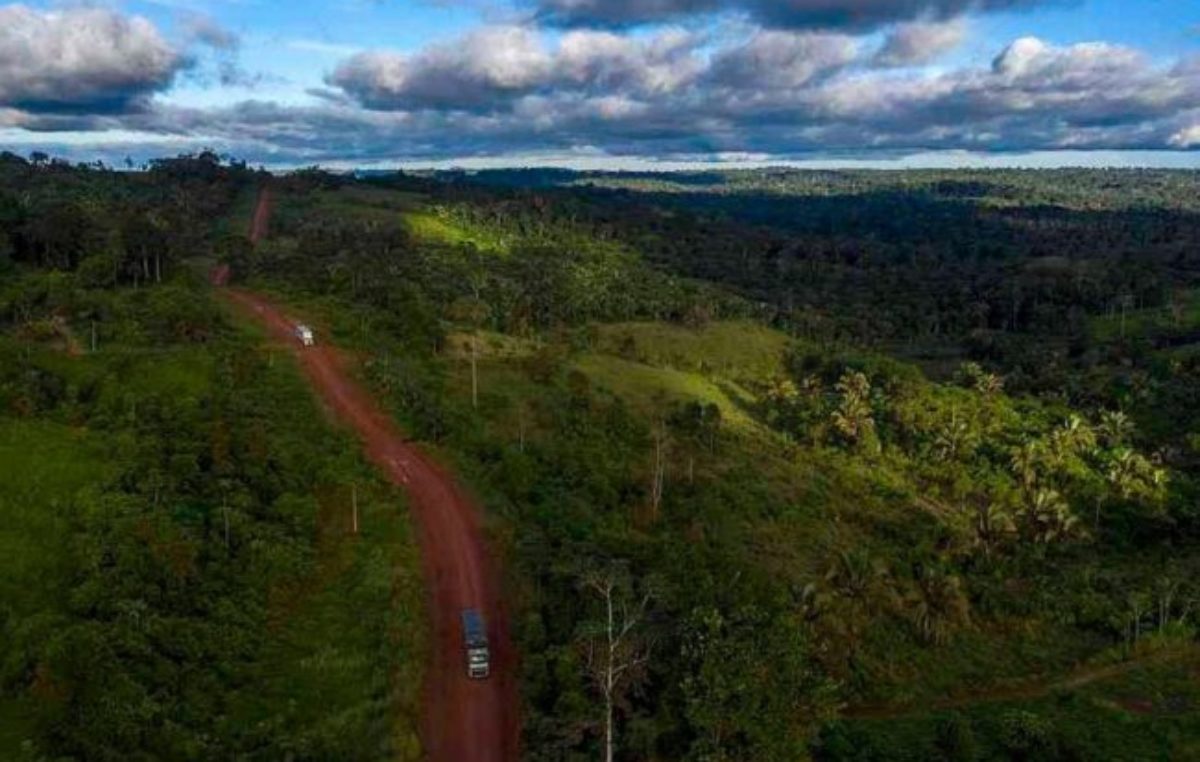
[427,226]
[46,465]
[645,387]
[739,350]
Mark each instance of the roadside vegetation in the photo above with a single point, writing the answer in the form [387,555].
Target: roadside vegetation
[181,579]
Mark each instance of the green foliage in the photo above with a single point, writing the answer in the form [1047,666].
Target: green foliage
[862,446]
[180,581]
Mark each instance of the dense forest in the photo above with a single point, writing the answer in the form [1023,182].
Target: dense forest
[872,466]
[179,576]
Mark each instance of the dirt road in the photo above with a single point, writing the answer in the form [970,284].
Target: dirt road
[1028,690]
[260,222]
[465,720]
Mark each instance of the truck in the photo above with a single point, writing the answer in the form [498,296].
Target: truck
[305,335]
[475,644]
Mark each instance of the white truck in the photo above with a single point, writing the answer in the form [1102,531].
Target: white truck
[475,643]
[305,335]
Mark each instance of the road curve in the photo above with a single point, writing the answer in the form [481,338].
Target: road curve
[464,720]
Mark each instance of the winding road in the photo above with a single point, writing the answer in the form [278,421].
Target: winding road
[465,720]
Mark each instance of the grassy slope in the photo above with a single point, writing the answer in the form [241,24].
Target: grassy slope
[820,501]
[430,227]
[791,536]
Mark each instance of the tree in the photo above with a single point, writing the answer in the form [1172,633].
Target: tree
[853,418]
[751,690]
[1046,518]
[955,739]
[616,648]
[937,604]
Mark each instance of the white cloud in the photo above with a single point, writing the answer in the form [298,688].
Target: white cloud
[1188,137]
[81,59]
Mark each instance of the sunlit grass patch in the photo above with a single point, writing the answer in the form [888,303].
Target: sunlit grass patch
[731,349]
[430,227]
[645,387]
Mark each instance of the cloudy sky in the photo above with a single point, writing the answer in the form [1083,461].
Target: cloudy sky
[607,83]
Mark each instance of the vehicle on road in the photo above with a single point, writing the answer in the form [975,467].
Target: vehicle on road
[475,643]
[305,335]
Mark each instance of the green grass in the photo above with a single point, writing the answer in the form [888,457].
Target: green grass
[644,386]
[45,466]
[428,226]
[728,349]
[370,205]
[669,364]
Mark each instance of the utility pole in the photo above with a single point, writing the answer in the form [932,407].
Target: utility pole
[354,503]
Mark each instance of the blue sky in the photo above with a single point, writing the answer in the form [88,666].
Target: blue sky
[607,82]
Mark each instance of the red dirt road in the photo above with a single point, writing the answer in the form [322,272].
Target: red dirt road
[260,223]
[465,720]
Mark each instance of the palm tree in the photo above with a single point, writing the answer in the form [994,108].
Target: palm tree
[1047,518]
[991,525]
[853,419]
[1116,428]
[936,604]
[1026,464]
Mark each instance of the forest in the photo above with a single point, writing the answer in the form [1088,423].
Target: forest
[872,465]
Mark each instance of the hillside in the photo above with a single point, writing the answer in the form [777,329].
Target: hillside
[855,483]
[819,516]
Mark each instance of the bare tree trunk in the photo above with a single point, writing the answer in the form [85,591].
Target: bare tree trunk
[621,652]
[474,371]
[521,429]
[354,503]
[660,467]
[609,683]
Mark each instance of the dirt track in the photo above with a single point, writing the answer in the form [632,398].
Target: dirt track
[465,720]
[260,222]
[1022,691]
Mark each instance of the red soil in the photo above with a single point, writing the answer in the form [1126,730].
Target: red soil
[260,223]
[465,720]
